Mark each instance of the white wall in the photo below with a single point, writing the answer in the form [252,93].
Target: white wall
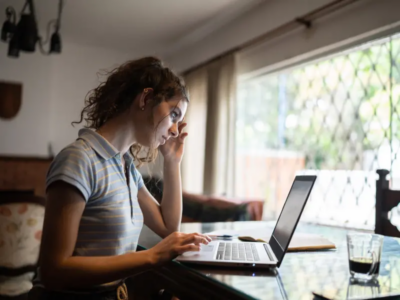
[54,88]
[27,133]
[257,21]
[74,73]
[361,22]
[357,20]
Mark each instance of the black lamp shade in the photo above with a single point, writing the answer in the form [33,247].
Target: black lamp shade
[55,43]
[24,35]
[13,47]
[28,33]
[7,30]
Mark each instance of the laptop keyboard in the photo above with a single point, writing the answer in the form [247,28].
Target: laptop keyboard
[237,251]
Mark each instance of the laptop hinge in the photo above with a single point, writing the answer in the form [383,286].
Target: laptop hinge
[270,253]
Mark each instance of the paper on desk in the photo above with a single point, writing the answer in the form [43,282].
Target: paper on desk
[299,242]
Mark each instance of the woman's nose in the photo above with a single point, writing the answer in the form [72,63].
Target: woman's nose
[174,131]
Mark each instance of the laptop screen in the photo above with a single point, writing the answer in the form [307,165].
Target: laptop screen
[291,213]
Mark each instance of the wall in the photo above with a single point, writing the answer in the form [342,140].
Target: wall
[74,73]
[27,133]
[257,21]
[363,20]
[54,89]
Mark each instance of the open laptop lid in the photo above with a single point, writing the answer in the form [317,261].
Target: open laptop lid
[290,215]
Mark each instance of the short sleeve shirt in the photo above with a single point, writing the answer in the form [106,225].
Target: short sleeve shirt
[112,219]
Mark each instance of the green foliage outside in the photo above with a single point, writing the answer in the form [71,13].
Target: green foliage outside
[330,110]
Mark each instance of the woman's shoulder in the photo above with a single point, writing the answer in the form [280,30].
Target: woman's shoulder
[73,165]
[78,150]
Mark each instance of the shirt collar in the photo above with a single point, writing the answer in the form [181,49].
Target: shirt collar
[98,143]
[128,158]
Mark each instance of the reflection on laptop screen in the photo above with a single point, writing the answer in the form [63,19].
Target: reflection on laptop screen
[288,218]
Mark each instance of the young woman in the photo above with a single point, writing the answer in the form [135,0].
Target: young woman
[96,201]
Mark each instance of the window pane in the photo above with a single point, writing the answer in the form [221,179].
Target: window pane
[338,118]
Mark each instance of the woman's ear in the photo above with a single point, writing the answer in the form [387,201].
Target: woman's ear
[145,98]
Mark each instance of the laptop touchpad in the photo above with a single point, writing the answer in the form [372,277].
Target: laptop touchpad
[206,248]
[203,248]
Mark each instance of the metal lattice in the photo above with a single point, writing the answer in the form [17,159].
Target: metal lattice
[338,117]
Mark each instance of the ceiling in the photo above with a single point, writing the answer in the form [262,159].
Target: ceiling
[140,26]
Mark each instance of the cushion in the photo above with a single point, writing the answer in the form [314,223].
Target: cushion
[20,235]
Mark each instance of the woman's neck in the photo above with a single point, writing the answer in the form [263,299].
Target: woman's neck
[119,133]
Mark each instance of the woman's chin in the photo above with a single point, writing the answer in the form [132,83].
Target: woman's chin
[157,145]
[150,144]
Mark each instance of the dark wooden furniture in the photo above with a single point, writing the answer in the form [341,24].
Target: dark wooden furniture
[20,196]
[24,173]
[324,272]
[207,208]
[386,200]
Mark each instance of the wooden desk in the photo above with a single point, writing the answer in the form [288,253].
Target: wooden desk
[300,274]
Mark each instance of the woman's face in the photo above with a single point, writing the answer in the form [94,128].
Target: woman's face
[166,118]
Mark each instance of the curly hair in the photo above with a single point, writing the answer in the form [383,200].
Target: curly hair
[121,87]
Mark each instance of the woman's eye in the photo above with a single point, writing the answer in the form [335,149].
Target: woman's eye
[174,115]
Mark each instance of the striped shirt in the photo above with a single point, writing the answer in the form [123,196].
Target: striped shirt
[112,219]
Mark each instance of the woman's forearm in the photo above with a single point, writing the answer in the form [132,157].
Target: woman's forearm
[80,271]
[171,204]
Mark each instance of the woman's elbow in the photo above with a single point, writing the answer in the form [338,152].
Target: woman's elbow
[50,277]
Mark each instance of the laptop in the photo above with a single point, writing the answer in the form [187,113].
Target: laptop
[232,253]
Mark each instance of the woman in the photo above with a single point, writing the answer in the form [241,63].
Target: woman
[96,200]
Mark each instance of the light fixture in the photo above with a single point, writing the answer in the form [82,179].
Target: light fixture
[24,36]
[27,33]
[13,47]
[55,43]
[9,26]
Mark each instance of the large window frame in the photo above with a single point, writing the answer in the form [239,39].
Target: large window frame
[279,96]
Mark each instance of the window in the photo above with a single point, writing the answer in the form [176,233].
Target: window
[338,118]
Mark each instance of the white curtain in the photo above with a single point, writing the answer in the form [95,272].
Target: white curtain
[196,117]
[208,165]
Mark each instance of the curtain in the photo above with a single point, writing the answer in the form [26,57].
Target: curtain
[196,117]
[209,155]
[220,133]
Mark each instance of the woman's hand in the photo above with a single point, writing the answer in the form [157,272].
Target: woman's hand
[175,244]
[172,150]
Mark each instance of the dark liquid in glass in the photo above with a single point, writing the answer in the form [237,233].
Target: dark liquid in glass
[363,265]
